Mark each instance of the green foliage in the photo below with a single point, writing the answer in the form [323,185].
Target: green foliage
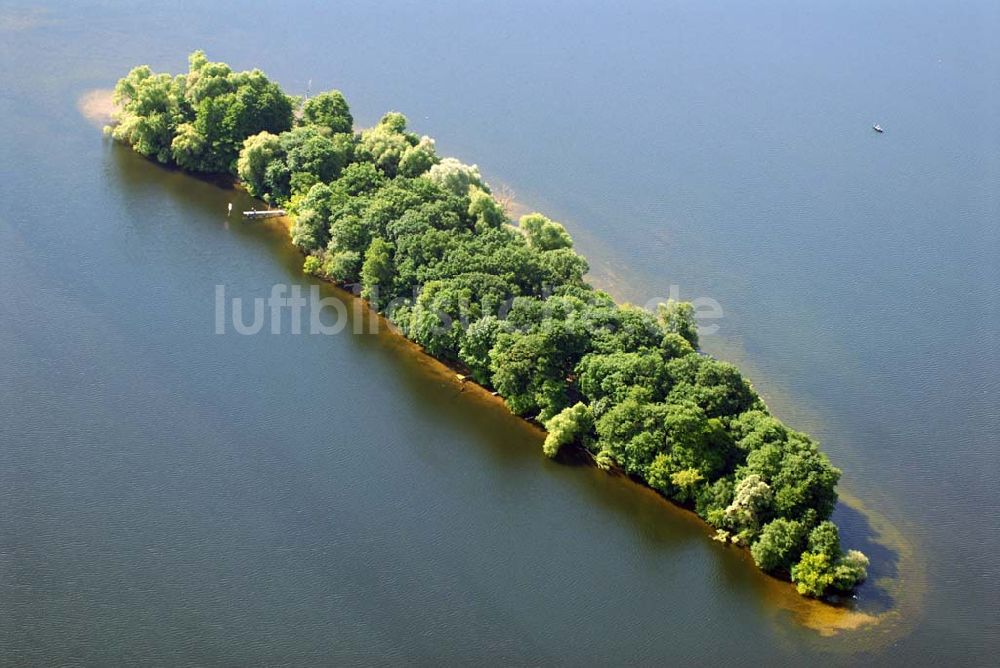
[456,177]
[328,110]
[309,229]
[200,120]
[313,265]
[801,476]
[712,500]
[343,266]
[825,538]
[608,378]
[779,546]
[321,156]
[571,425]
[385,144]
[824,567]
[605,461]
[563,266]
[377,272]
[441,315]
[634,432]
[486,211]
[678,318]
[686,483]
[150,107]
[716,386]
[361,178]
[543,233]
[418,159]
[479,340]
[850,570]
[754,429]
[258,152]
[299,159]
[529,371]
[813,575]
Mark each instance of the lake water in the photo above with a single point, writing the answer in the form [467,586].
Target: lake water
[169,496]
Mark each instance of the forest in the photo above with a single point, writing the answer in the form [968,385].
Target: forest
[425,240]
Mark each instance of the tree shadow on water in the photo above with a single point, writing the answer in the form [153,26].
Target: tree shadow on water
[876,594]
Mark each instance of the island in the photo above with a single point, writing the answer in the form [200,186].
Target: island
[428,244]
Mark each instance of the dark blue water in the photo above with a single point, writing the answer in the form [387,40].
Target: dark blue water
[171,496]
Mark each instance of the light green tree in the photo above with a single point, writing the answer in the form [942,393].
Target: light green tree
[543,233]
[259,151]
[418,159]
[678,318]
[456,176]
[571,425]
[377,272]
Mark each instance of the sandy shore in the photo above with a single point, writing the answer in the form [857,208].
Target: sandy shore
[96,106]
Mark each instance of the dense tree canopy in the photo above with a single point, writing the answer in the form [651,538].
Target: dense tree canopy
[434,250]
[201,119]
[328,111]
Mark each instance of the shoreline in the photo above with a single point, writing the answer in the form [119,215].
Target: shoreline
[96,107]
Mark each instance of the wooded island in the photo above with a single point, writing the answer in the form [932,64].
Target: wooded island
[435,251]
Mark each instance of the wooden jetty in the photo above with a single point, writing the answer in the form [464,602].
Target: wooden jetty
[264,213]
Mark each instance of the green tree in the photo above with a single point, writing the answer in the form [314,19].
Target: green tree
[802,477]
[850,571]
[343,266]
[361,178]
[563,266]
[823,567]
[716,386]
[754,429]
[634,432]
[377,272]
[149,111]
[476,345]
[679,318]
[384,144]
[348,232]
[328,110]
[825,538]
[308,230]
[571,425]
[612,376]
[206,79]
[779,545]
[813,575]
[189,147]
[485,210]
[258,152]
[313,265]
[440,316]
[418,159]
[686,482]
[543,233]
[456,177]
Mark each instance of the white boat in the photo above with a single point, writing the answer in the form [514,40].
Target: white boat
[877,128]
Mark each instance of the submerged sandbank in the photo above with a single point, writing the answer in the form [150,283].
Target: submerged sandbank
[97,106]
